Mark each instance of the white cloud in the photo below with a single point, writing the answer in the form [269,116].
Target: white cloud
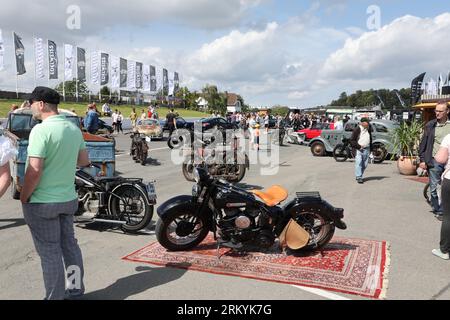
[397,52]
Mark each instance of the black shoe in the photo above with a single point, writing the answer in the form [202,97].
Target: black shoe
[439,217]
[360,180]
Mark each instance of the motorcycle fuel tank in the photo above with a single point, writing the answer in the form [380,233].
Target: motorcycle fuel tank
[225,199]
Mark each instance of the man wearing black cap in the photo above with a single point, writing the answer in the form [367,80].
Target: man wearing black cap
[361,141]
[48,196]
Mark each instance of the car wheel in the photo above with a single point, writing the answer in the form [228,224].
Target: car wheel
[318,149]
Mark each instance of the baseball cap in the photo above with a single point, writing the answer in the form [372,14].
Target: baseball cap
[44,94]
[365,120]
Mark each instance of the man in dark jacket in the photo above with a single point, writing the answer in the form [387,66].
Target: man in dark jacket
[435,131]
[361,141]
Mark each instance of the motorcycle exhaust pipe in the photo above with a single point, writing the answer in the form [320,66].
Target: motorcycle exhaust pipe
[109,221]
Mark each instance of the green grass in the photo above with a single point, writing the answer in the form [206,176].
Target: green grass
[80,109]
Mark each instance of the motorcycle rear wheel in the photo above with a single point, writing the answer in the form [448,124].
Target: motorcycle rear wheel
[132,208]
[318,227]
[340,153]
[188,171]
[181,229]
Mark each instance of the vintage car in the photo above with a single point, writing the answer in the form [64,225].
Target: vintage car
[150,127]
[101,150]
[328,139]
[181,124]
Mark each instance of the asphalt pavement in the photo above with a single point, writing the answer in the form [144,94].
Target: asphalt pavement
[386,207]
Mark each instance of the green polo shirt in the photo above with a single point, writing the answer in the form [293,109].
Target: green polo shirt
[439,134]
[58,141]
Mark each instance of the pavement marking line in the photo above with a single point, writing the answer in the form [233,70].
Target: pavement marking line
[322,293]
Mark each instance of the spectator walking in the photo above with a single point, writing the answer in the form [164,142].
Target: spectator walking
[119,121]
[171,121]
[435,131]
[114,119]
[133,118]
[48,196]
[361,140]
[442,157]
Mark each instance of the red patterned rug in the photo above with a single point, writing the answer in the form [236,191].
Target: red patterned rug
[351,266]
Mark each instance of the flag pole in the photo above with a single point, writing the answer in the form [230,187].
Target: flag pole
[76,78]
[48,79]
[64,73]
[34,40]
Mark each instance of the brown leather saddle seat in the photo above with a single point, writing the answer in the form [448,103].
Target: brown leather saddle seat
[272,196]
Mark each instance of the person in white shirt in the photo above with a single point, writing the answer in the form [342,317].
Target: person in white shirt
[106,110]
[361,141]
[443,157]
[114,120]
[338,124]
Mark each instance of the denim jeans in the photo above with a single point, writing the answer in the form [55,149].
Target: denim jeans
[435,179]
[445,227]
[361,162]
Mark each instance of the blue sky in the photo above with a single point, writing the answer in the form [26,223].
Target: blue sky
[296,53]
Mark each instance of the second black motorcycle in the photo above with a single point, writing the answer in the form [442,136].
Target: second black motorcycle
[240,218]
[139,147]
[343,151]
[128,202]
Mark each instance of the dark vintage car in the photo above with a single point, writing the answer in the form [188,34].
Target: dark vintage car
[217,123]
[181,124]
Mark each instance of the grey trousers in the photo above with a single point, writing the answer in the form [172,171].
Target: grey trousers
[445,227]
[51,227]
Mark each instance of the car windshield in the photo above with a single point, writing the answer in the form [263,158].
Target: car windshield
[149,122]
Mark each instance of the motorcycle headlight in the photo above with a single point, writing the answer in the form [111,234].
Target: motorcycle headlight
[196,175]
[196,190]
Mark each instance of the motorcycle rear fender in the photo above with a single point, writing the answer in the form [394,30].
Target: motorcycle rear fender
[184,200]
[331,213]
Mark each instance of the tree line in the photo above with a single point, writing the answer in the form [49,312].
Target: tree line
[388,99]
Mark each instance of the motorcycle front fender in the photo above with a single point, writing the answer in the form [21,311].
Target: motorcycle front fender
[189,205]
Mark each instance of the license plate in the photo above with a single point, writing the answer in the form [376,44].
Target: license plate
[151,191]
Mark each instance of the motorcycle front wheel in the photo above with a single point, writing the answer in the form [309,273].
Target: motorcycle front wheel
[131,207]
[319,229]
[340,153]
[181,229]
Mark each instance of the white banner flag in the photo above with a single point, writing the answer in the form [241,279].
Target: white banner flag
[146,76]
[159,79]
[115,72]
[2,52]
[131,67]
[95,67]
[68,62]
[171,86]
[39,58]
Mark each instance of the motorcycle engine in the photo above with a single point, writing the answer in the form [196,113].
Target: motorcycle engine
[244,225]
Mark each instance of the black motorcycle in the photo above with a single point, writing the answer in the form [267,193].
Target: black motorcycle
[239,220]
[231,167]
[343,151]
[125,201]
[139,147]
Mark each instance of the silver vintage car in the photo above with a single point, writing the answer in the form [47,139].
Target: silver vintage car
[381,136]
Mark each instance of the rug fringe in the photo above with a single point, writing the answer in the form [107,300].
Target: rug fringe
[385,284]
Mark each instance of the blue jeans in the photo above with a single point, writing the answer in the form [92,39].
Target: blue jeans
[361,162]
[435,179]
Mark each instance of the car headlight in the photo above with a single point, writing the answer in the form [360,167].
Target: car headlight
[196,175]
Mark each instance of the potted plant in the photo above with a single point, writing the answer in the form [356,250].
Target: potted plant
[406,139]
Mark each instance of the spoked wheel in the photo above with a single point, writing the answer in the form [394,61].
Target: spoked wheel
[181,229]
[379,154]
[319,229]
[427,193]
[239,173]
[131,207]
[340,153]
[188,170]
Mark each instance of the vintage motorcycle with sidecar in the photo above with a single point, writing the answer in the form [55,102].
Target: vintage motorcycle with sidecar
[239,220]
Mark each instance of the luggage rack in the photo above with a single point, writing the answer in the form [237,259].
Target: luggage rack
[315,195]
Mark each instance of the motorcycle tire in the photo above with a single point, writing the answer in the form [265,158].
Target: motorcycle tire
[135,198]
[427,193]
[379,153]
[340,153]
[240,174]
[310,218]
[188,171]
[174,143]
[183,228]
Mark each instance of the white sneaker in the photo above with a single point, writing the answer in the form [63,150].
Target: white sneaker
[440,254]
